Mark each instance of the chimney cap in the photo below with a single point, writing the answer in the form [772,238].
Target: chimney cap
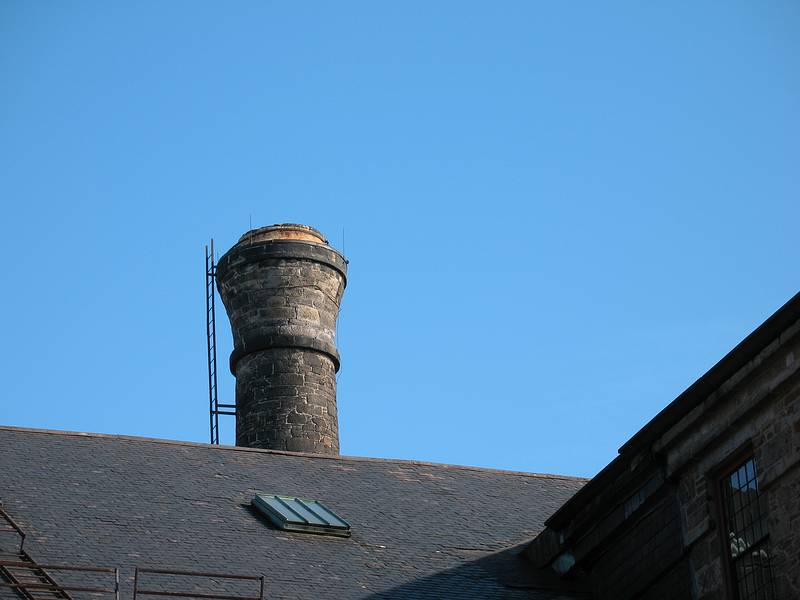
[284,231]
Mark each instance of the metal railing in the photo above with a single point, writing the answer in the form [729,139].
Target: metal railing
[49,585]
[35,576]
[138,591]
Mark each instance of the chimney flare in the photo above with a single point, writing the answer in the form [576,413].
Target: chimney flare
[282,286]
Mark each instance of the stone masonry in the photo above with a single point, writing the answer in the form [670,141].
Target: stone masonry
[758,410]
[282,287]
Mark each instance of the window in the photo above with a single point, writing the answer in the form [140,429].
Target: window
[635,501]
[299,514]
[745,527]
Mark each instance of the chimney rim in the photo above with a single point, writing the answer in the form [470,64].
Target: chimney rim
[284,232]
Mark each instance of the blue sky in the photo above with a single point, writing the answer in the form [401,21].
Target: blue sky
[557,215]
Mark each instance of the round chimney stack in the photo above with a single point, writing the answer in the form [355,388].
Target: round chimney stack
[282,286]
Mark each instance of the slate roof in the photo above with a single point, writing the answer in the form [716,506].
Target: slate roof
[420,530]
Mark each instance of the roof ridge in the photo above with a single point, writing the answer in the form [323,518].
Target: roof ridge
[398,461]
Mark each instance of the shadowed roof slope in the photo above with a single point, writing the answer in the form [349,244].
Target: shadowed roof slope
[418,529]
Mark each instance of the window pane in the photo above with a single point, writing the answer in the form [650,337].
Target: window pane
[751,470]
[746,528]
[301,515]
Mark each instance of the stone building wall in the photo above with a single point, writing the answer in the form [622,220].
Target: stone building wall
[652,524]
[643,554]
[757,414]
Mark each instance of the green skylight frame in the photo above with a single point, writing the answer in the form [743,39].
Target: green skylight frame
[302,515]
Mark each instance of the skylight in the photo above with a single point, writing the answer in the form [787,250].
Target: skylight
[299,514]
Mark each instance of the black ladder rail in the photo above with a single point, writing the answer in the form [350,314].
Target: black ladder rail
[11,527]
[211,345]
[215,409]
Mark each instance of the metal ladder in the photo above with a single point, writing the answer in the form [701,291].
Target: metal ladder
[30,579]
[211,336]
[24,575]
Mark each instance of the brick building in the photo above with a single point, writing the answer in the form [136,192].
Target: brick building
[703,502]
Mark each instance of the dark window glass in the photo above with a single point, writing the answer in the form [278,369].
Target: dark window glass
[636,500]
[745,518]
[633,503]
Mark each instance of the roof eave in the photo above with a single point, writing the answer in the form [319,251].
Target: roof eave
[733,361]
[744,352]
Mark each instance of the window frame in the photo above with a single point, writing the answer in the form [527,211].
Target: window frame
[313,522]
[716,480]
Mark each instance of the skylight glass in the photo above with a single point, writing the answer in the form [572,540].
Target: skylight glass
[300,514]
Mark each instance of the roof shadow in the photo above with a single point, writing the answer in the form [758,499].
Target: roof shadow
[505,574]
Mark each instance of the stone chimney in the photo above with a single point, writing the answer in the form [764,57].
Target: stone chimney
[282,286]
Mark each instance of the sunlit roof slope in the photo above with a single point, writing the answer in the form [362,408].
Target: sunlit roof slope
[417,529]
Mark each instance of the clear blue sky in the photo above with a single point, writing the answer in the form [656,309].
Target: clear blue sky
[557,215]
